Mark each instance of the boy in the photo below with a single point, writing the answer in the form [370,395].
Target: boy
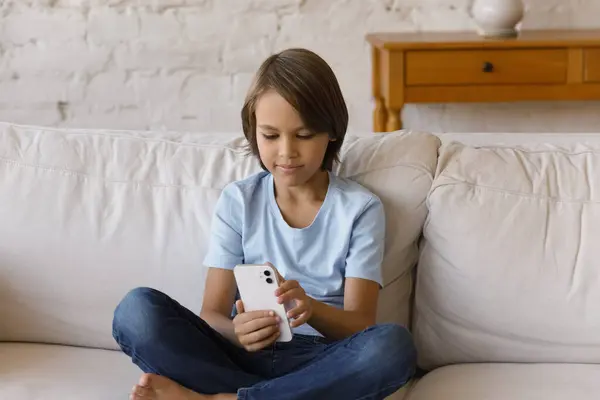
[325,236]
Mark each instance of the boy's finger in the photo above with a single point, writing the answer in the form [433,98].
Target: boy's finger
[286,286]
[302,319]
[239,306]
[252,315]
[258,324]
[296,312]
[262,344]
[292,294]
[258,335]
[280,278]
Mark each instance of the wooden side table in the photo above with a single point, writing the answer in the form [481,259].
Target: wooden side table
[455,67]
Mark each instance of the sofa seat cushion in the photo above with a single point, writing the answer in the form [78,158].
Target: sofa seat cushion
[54,372]
[509,381]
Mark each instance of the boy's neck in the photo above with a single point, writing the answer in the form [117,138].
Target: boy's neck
[314,189]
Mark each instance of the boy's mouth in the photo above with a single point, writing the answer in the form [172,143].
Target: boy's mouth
[288,168]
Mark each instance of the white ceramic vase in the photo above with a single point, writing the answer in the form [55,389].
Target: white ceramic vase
[497,18]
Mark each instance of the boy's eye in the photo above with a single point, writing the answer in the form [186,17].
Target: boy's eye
[303,136]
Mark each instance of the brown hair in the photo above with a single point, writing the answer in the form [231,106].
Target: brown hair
[308,83]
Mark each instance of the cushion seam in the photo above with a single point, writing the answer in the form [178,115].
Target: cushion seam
[84,175]
[514,192]
[406,165]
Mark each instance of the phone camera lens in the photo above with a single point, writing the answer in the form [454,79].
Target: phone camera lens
[267,273]
[269,280]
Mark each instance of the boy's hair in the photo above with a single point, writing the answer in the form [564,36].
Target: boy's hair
[308,83]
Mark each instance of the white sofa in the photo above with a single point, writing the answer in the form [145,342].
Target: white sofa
[505,230]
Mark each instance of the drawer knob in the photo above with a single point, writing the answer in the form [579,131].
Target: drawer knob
[488,67]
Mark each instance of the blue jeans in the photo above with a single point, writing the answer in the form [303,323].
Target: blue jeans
[162,337]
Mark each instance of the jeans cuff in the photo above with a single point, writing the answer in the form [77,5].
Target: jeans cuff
[242,394]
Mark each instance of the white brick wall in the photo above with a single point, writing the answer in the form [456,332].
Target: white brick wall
[186,64]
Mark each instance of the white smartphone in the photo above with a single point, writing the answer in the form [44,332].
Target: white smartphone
[257,285]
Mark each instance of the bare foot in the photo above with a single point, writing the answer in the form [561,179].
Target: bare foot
[156,387]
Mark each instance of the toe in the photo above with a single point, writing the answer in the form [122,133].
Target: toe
[145,380]
[141,392]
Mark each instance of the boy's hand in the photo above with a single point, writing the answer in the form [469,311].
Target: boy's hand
[291,290]
[255,330]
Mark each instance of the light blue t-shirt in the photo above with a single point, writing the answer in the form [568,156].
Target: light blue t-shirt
[345,239]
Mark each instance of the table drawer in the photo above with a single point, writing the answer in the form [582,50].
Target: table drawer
[463,67]
[592,65]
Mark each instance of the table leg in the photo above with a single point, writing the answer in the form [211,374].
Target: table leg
[394,123]
[380,116]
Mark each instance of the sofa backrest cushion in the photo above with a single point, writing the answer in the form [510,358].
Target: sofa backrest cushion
[87,215]
[510,263]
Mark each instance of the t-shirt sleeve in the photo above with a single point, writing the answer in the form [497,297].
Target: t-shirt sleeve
[365,253]
[225,248]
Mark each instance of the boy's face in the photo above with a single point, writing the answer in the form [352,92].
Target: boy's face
[291,152]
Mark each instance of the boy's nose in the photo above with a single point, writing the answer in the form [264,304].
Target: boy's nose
[288,149]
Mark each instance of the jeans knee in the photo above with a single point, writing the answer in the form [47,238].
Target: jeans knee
[136,314]
[399,340]
[390,349]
